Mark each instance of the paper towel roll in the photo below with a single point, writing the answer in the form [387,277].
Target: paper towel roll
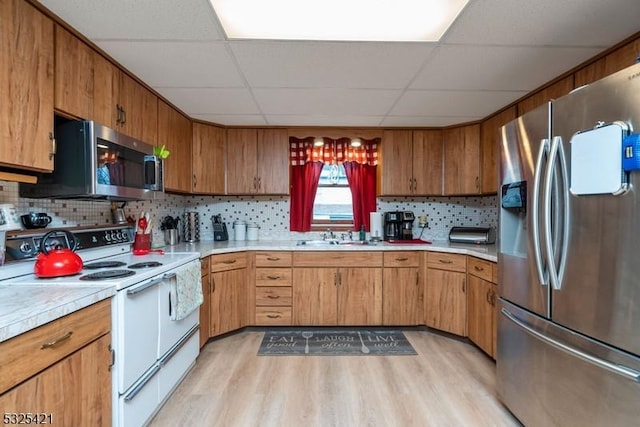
[376,227]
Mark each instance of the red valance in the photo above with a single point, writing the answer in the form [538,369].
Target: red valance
[333,151]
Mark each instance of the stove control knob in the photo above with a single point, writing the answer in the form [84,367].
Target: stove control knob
[119,236]
[107,237]
[114,237]
[25,248]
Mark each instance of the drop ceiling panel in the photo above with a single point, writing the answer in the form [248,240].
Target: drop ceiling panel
[232,119]
[322,102]
[457,67]
[595,23]
[424,121]
[177,64]
[330,65]
[211,100]
[141,19]
[323,120]
[463,104]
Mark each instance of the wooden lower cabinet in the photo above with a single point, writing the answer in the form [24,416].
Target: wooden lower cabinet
[273,292]
[205,307]
[76,391]
[60,371]
[402,289]
[446,289]
[481,305]
[228,285]
[337,296]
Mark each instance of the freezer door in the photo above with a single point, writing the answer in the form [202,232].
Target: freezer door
[599,294]
[549,376]
[523,276]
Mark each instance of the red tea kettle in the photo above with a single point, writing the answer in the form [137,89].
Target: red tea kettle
[58,262]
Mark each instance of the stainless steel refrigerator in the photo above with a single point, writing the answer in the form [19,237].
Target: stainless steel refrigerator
[569,259]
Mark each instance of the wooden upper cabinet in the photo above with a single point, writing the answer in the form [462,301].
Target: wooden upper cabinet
[208,157]
[427,162]
[396,154]
[462,160]
[410,163]
[257,161]
[273,161]
[615,61]
[556,90]
[174,132]
[26,85]
[74,76]
[490,149]
[139,110]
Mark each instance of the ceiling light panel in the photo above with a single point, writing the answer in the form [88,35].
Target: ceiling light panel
[353,20]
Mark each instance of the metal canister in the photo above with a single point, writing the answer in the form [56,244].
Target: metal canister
[191,227]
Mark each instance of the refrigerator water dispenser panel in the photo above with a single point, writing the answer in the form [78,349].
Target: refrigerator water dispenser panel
[596,167]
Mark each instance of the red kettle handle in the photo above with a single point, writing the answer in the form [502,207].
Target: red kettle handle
[71,240]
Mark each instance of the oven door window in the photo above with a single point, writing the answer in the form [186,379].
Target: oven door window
[119,166]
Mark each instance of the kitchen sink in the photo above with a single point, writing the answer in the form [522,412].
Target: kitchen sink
[316,242]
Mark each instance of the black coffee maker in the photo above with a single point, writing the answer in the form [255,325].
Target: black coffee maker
[398,225]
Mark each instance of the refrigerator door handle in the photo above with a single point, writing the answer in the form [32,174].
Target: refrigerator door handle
[628,373]
[535,217]
[546,209]
[566,217]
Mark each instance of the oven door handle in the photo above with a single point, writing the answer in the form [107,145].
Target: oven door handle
[135,290]
[169,276]
[143,382]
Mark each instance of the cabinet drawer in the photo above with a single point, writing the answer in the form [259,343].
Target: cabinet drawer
[230,261]
[204,266]
[273,276]
[273,259]
[273,316]
[402,259]
[446,261]
[31,352]
[337,259]
[273,296]
[480,268]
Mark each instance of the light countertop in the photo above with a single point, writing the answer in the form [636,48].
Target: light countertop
[23,308]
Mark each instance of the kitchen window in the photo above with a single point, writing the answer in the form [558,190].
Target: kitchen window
[333,204]
[326,173]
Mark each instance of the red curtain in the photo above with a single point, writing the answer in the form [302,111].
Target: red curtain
[362,182]
[303,188]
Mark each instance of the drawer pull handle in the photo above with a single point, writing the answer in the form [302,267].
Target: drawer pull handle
[273,296]
[273,316]
[445,261]
[273,277]
[478,268]
[229,261]
[56,341]
[402,259]
[273,258]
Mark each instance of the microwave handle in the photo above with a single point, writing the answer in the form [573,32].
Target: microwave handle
[153,168]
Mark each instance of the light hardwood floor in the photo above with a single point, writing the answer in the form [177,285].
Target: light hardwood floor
[449,383]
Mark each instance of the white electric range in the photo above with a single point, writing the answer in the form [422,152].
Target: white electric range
[153,351]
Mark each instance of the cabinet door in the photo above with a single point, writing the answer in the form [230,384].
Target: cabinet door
[446,303]
[228,301]
[175,133]
[105,91]
[73,75]
[489,147]
[205,310]
[273,161]
[402,296]
[76,391]
[480,313]
[427,162]
[315,298]
[396,156]
[461,160]
[242,161]
[359,296]
[26,85]
[140,119]
[208,158]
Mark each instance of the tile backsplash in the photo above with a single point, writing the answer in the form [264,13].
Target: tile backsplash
[271,213]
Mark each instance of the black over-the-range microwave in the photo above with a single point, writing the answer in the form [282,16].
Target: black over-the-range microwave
[95,162]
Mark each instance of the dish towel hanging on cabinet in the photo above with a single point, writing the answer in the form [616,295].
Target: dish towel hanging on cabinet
[186,291]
